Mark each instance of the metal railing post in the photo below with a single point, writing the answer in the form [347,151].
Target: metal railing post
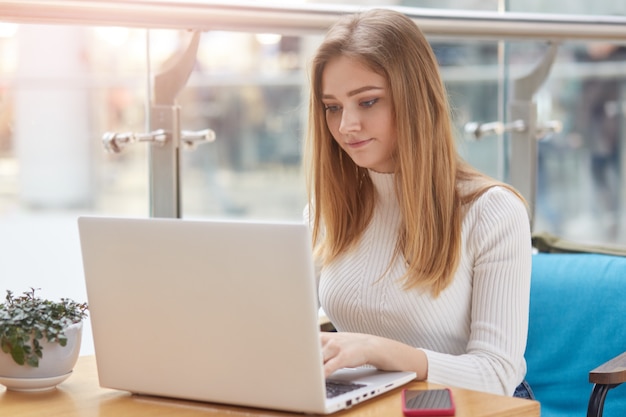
[164,159]
[523,143]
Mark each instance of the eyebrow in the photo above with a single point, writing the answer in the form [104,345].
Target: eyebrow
[355,92]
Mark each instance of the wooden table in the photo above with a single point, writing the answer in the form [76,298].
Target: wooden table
[81,396]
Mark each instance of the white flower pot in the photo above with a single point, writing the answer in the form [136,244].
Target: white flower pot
[54,367]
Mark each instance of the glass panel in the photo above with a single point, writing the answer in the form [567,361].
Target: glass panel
[254,102]
[61,88]
[581,170]
[473,79]
[257,107]
[581,175]
[252,170]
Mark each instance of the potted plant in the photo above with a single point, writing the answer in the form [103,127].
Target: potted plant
[40,340]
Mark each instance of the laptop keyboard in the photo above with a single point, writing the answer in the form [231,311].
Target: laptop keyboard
[335,388]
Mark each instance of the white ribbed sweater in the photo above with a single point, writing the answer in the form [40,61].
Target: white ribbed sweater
[474,333]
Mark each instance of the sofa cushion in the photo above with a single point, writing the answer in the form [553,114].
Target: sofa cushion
[577,322]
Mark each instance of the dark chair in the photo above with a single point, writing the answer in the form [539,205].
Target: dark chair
[605,377]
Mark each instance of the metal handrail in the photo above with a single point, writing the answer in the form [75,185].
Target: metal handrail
[305,19]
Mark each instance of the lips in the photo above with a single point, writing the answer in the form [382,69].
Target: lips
[358,143]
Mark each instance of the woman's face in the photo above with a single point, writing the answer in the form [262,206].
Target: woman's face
[359,113]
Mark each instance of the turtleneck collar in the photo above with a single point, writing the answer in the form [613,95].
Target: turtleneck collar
[384,183]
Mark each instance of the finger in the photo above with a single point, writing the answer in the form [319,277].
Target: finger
[329,351]
[331,366]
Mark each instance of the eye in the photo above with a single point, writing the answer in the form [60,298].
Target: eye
[331,108]
[369,103]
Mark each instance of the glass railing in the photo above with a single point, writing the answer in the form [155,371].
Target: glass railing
[70,71]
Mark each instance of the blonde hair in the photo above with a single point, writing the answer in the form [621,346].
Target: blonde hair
[428,174]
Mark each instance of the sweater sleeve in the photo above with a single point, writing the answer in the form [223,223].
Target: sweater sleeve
[498,243]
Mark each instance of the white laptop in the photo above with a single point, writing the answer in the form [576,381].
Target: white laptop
[215,311]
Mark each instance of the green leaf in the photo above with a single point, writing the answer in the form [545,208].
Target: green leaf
[6,346]
[33,361]
[18,355]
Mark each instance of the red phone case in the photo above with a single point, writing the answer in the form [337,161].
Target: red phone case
[411,412]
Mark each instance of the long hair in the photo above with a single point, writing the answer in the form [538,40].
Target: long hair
[433,184]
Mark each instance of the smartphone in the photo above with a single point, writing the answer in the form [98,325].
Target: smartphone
[433,402]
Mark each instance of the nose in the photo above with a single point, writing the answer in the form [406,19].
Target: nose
[350,122]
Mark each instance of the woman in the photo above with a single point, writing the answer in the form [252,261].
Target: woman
[424,261]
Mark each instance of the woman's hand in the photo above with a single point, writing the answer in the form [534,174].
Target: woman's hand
[345,350]
[349,350]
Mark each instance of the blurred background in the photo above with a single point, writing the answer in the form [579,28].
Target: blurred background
[63,87]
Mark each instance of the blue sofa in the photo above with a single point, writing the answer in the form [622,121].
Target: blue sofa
[577,323]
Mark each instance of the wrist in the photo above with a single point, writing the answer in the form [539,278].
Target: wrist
[391,355]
